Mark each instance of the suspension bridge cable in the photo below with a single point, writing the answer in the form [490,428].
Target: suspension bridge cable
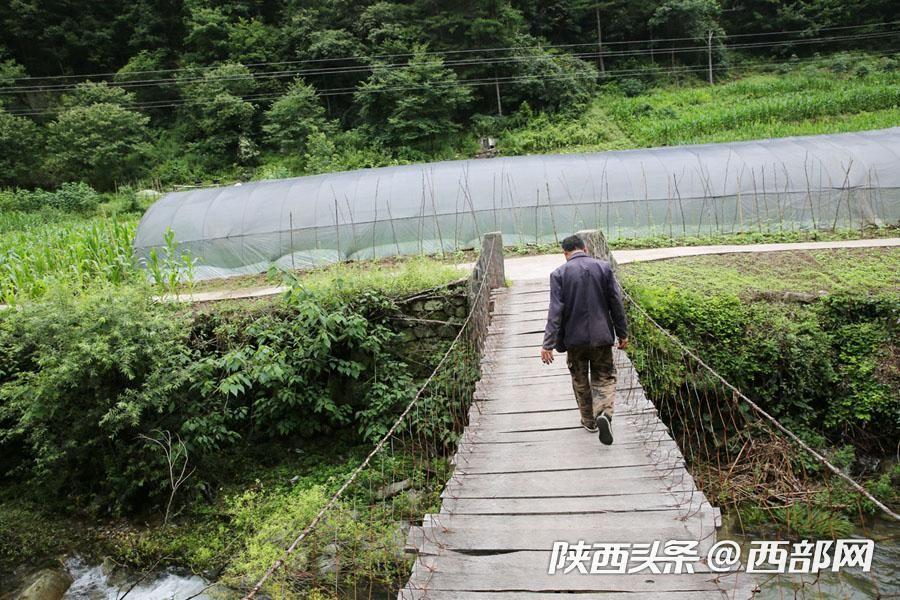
[759,410]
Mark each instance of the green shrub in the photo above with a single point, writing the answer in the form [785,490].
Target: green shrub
[74,197]
[823,367]
[84,382]
[631,87]
[80,379]
[70,197]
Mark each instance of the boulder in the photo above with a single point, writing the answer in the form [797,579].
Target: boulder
[327,564]
[433,305]
[447,332]
[218,591]
[47,584]
[392,489]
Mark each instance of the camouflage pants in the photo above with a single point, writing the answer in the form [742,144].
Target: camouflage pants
[593,380]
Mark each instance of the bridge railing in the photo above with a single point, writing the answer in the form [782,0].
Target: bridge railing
[352,544]
[765,477]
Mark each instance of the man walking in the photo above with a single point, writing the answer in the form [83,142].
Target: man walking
[585,317]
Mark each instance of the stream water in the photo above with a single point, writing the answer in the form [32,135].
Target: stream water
[883,581]
[93,583]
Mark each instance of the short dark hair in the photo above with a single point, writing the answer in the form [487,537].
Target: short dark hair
[572,243]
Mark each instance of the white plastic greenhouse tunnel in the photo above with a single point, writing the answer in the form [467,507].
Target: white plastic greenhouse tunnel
[847,180]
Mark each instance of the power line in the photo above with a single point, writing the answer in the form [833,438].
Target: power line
[611,74]
[471,82]
[360,58]
[464,62]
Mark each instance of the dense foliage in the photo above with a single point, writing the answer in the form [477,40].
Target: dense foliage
[174,91]
[826,367]
[86,383]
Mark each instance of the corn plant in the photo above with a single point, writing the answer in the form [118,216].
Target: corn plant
[72,254]
[170,266]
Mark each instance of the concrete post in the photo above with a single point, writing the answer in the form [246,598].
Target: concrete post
[492,245]
[596,245]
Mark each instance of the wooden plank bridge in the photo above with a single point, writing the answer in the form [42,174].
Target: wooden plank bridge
[528,475]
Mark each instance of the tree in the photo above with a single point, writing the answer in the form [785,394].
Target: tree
[53,37]
[414,105]
[252,41]
[92,92]
[148,65]
[10,71]
[688,18]
[389,27]
[696,19]
[101,143]
[548,79]
[219,120]
[11,74]
[207,35]
[20,145]
[293,118]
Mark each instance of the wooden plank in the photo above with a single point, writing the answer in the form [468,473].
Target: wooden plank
[509,407]
[531,450]
[569,435]
[537,420]
[533,422]
[527,572]
[550,484]
[526,475]
[565,461]
[684,504]
[560,385]
[654,448]
[477,538]
[430,594]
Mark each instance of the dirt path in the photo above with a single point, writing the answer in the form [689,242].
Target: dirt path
[528,268]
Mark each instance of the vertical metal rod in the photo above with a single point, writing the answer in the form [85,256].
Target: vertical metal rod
[291,221]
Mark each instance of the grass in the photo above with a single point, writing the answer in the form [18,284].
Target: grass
[754,237]
[851,270]
[805,102]
[394,276]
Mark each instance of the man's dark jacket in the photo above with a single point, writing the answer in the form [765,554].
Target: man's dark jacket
[585,305]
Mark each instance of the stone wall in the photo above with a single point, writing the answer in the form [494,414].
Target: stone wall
[433,314]
[437,314]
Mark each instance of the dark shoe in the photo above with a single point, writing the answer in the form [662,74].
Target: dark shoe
[590,426]
[604,427]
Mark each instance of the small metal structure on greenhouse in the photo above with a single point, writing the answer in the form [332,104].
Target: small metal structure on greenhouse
[825,181]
